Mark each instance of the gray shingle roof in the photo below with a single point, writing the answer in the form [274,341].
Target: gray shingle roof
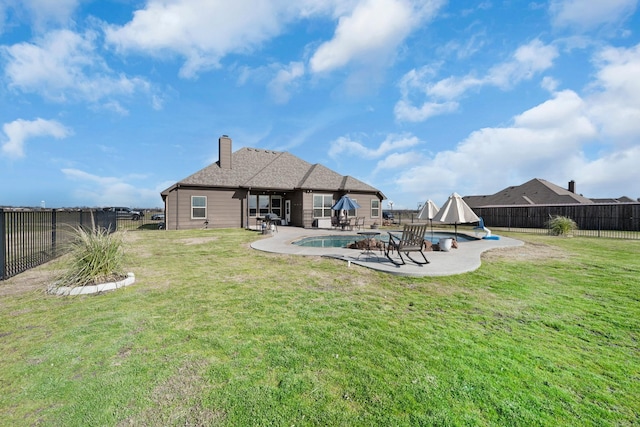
[273,170]
[622,199]
[533,192]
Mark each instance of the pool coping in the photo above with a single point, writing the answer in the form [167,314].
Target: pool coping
[356,237]
[464,259]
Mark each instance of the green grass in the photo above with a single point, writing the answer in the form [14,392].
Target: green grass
[215,333]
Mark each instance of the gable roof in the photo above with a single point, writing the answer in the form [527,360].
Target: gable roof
[533,192]
[622,199]
[272,170]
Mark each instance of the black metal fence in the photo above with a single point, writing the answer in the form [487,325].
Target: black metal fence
[615,220]
[608,220]
[29,238]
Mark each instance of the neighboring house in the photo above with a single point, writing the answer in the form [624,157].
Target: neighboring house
[623,199]
[244,186]
[533,192]
[533,203]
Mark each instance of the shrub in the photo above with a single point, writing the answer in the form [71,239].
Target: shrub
[561,226]
[96,256]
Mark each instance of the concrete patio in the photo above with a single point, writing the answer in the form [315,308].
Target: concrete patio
[464,259]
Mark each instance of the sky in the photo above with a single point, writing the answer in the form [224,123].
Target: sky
[110,102]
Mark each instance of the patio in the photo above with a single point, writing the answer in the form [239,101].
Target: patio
[464,259]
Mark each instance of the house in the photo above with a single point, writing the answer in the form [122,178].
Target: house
[534,192]
[622,199]
[533,203]
[244,186]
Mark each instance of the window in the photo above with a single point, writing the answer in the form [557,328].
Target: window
[322,205]
[260,205]
[375,208]
[198,207]
[253,205]
[276,206]
[263,204]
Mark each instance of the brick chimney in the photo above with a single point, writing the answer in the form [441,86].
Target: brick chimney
[224,148]
[572,186]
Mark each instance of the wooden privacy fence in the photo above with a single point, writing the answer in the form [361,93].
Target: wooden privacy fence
[29,238]
[600,216]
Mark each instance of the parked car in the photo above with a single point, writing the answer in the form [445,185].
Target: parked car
[157,217]
[388,216]
[125,213]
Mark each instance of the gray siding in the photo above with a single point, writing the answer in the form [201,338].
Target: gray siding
[296,208]
[227,208]
[224,208]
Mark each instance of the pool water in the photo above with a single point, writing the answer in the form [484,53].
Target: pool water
[341,241]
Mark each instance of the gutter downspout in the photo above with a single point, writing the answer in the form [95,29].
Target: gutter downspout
[177,204]
[247,207]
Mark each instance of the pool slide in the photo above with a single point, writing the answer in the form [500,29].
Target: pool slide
[487,236]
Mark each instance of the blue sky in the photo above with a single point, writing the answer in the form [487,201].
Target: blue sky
[110,102]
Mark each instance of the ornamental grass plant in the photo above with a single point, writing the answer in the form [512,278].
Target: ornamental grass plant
[96,256]
[561,226]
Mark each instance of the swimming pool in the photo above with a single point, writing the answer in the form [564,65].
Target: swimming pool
[341,241]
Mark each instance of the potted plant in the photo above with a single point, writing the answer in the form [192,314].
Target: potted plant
[374,225]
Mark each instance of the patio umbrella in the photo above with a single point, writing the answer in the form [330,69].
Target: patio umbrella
[345,203]
[428,211]
[455,211]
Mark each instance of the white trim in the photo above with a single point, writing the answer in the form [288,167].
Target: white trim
[199,207]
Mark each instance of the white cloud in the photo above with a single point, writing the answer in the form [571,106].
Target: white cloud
[98,190]
[63,65]
[115,107]
[397,161]
[3,16]
[201,31]
[527,61]
[416,79]
[588,14]
[284,82]
[41,14]
[464,50]
[347,146]
[549,83]
[46,12]
[20,131]
[545,141]
[551,140]
[406,111]
[565,113]
[615,100]
[373,29]
[454,87]
[618,170]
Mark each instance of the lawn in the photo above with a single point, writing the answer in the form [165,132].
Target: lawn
[215,333]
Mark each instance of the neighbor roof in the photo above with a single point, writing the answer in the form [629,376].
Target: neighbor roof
[622,199]
[534,192]
[273,170]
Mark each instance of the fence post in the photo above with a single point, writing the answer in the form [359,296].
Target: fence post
[3,246]
[53,232]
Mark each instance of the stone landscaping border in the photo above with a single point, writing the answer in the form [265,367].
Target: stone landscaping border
[92,289]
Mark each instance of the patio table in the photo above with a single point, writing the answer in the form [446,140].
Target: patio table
[368,236]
